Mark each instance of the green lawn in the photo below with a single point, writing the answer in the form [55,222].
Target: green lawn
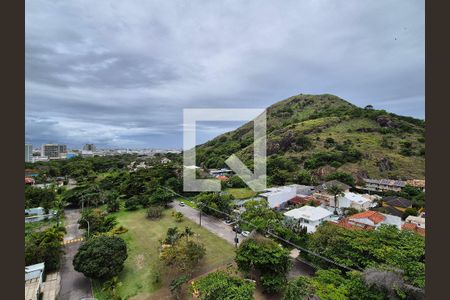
[142,265]
[241,193]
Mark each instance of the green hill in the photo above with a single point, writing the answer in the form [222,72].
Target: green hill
[319,135]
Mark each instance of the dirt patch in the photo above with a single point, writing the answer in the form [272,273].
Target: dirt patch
[139,261]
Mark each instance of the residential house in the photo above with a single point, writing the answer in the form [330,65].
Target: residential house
[349,199]
[165,160]
[278,197]
[418,221]
[416,224]
[220,172]
[321,191]
[308,216]
[381,185]
[370,220]
[303,200]
[29,181]
[398,203]
[418,183]
[33,281]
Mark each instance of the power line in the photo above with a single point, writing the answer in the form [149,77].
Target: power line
[270,233]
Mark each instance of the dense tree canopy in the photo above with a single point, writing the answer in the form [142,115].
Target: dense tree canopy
[215,204]
[99,221]
[101,257]
[44,246]
[362,249]
[267,258]
[220,285]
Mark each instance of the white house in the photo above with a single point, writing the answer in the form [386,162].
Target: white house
[309,216]
[350,199]
[279,196]
[418,221]
[33,281]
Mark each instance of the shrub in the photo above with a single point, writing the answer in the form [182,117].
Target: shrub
[154,212]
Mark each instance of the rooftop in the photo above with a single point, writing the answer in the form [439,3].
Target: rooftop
[388,182]
[397,201]
[357,198]
[374,216]
[308,212]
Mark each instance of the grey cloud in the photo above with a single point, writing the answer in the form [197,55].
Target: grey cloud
[119,73]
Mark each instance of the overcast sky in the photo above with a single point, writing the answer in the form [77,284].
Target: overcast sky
[119,73]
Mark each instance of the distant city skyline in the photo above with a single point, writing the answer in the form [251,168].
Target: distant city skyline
[118,74]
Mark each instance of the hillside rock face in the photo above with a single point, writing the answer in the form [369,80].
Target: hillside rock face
[322,134]
[385,164]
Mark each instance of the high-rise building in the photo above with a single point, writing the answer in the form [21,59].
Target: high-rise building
[53,150]
[89,147]
[28,153]
[62,148]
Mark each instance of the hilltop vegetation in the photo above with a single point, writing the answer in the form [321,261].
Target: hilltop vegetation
[319,135]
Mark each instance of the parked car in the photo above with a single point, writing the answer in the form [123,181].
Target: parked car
[182,203]
[237,229]
[245,233]
[228,222]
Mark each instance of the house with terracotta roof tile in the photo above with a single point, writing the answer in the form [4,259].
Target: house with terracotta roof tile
[370,220]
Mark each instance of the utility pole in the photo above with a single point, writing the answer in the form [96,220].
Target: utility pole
[236,239]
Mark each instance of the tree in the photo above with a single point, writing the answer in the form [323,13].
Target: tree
[305,177]
[215,204]
[183,255]
[279,177]
[335,191]
[99,221]
[260,214]
[44,246]
[132,203]
[161,197]
[101,257]
[110,287]
[113,204]
[360,249]
[35,197]
[154,212]
[342,177]
[220,285]
[178,217]
[236,182]
[267,258]
[410,211]
[300,288]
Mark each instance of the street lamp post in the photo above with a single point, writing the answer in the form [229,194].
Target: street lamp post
[87,227]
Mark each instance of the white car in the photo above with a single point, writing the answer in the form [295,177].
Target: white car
[245,233]
[182,203]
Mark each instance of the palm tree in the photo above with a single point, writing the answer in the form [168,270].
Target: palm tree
[111,286]
[335,191]
[188,232]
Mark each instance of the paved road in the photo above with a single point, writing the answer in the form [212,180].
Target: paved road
[219,228]
[74,286]
[216,226]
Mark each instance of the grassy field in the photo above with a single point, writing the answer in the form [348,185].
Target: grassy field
[143,275]
[241,193]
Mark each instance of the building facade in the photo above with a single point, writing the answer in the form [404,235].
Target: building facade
[28,153]
[53,150]
[89,147]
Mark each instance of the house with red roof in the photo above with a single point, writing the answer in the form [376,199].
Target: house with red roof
[370,220]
